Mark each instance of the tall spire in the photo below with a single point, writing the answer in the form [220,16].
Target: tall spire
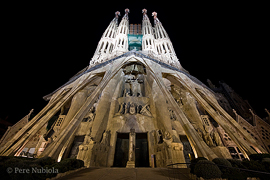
[121,39]
[164,45]
[148,40]
[106,43]
[126,13]
[144,11]
[154,14]
[111,29]
[117,14]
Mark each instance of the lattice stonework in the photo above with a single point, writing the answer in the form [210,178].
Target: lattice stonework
[59,121]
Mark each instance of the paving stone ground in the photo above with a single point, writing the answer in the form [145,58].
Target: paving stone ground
[128,174]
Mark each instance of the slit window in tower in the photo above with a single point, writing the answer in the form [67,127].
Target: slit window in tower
[101,46]
[111,48]
[164,48]
[110,34]
[105,50]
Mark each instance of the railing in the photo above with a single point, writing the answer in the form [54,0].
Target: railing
[176,172]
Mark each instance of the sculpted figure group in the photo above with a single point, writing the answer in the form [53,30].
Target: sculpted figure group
[132,108]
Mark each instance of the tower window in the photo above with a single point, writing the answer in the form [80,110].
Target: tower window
[232,150]
[101,47]
[110,33]
[106,47]
[164,48]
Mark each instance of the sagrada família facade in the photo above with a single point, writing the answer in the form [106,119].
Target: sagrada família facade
[136,106]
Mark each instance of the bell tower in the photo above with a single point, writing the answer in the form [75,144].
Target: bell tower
[164,45]
[148,41]
[106,43]
[121,39]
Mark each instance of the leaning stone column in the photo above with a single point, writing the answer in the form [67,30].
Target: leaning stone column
[131,151]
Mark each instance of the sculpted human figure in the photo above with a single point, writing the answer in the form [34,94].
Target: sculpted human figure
[135,87]
[176,94]
[199,131]
[207,137]
[91,114]
[87,139]
[127,107]
[216,138]
[106,138]
[145,110]
[167,138]
[127,91]
[159,135]
[167,141]
[132,108]
[121,109]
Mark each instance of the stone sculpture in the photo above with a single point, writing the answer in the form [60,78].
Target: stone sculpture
[119,106]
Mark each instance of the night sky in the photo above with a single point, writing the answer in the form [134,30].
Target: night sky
[46,44]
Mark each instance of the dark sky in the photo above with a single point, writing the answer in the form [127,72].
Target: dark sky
[46,44]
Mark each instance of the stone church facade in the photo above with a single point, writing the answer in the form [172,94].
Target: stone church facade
[136,106]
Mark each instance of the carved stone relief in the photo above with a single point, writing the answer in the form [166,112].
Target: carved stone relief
[133,108]
[201,123]
[132,100]
[90,116]
[172,115]
[106,138]
[133,85]
[209,134]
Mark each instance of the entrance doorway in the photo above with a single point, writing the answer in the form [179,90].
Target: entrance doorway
[187,149]
[78,140]
[141,150]
[121,150]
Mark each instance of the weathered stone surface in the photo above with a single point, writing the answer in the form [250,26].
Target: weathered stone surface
[133,110]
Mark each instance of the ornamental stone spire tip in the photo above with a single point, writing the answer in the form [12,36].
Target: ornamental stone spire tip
[144,11]
[154,14]
[117,14]
[155,17]
[127,11]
